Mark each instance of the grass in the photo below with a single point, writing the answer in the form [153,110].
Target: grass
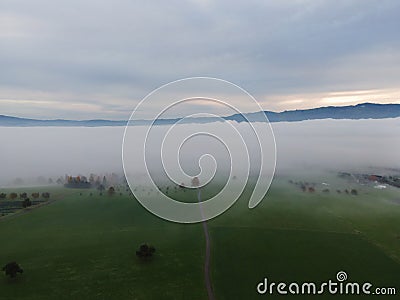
[295,237]
[244,256]
[83,247]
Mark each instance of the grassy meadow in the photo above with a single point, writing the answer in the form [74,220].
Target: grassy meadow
[83,247]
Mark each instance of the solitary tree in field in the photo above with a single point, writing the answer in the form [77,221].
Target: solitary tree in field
[145,251]
[11,269]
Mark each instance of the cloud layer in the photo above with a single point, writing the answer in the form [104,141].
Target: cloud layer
[308,146]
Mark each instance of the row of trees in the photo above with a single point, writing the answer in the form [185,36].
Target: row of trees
[24,196]
[311,188]
[94,180]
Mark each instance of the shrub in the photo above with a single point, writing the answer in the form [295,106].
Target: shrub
[145,251]
[26,203]
[12,268]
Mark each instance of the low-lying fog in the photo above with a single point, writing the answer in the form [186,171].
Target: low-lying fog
[28,153]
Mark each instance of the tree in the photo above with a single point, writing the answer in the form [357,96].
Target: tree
[26,203]
[145,251]
[91,179]
[13,196]
[3,196]
[46,195]
[111,190]
[11,269]
[354,192]
[35,195]
[195,182]
[97,182]
[23,195]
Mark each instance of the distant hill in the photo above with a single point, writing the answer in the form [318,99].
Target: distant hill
[23,122]
[354,112]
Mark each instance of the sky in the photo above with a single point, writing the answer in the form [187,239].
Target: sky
[97,59]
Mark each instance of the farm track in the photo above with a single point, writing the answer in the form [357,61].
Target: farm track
[207,278]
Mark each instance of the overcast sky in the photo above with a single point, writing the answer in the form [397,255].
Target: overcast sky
[97,59]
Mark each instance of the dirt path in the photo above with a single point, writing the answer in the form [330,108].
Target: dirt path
[207,278]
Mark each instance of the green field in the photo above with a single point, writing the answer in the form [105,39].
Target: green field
[83,247]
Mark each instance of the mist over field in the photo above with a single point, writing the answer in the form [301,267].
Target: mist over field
[301,146]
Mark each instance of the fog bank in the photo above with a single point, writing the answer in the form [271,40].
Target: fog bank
[318,144]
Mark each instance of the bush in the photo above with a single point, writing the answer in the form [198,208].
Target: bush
[26,203]
[11,269]
[145,251]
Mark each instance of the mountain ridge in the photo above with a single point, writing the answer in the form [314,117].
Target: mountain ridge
[351,112]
